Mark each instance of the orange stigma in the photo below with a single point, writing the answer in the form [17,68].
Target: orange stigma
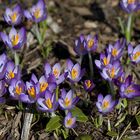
[18,90]
[56,72]
[48,103]
[90,43]
[105,104]
[88,83]
[114,52]
[105,61]
[67,102]
[13,17]
[31,92]
[37,13]
[43,86]
[136,56]
[11,75]
[131,1]
[74,73]
[15,40]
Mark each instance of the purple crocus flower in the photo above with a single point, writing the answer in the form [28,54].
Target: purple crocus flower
[105,104]
[116,50]
[3,64]
[69,121]
[67,101]
[2,91]
[12,72]
[16,88]
[49,103]
[15,40]
[130,6]
[112,71]
[105,60]
[88,85]
[54,73]
[37,13]
[44,83]
[13,16]
[134,53]
[80,45]
[74,71]
[129,89]
[91,43]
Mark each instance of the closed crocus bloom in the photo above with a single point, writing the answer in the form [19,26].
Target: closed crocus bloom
[15,40]
[67,100]
[2,91]
[105,60]
[13,16]
[129,89]
[3,64]
[54,73]
[48,103]
[74,71]
[88,85]
[105,104]
[80,45]
[130,6]
[69,121]
[16,88]
[112,71]
[37,13]
[12,72]
[116,50]
[134,53]
[91,43]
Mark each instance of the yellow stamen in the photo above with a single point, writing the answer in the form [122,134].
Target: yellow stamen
[112,72]
[90,43]
[131,1]
[43,86]
[114,52]
[88,83]
[55,72]
[105,61]
[14,17]
[136,55]
[18,90]
[67,102]
[69,122]
[74,73]
[130,90]
[15,40]
[37,13]
[11,75]
[31,92]
[105,104]
[48,103]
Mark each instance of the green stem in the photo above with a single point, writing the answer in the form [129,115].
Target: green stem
[38,35]
[16,57]
[90,65]
[111,85]
[121,25]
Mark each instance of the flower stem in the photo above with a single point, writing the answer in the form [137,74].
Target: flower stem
[90,65]
[111,85]
[16,57]
[38,35]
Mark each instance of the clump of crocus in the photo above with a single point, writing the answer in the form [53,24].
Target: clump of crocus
[48,103]
[12,72]
[112,71]
[129,89]
[130,6]
[2,91]
[37,13]
[105,104]
[88,85]
[134,53]
[15,40]
[13,16]
[67,100]
[69,121]
[55,72]
[16,89]
[3,65]
[74,71]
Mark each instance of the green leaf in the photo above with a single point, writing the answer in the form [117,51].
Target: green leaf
[77,112]
[54,123]
[138,119]
[84,137]
[112,134]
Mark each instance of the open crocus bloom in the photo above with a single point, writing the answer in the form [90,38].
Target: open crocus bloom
[130,5]
[69,121]
[13,16]
[129,89]
[37,13]
[15,40]
[48,103]
[74,71]
[105,104]
[134,53]
[67,101]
